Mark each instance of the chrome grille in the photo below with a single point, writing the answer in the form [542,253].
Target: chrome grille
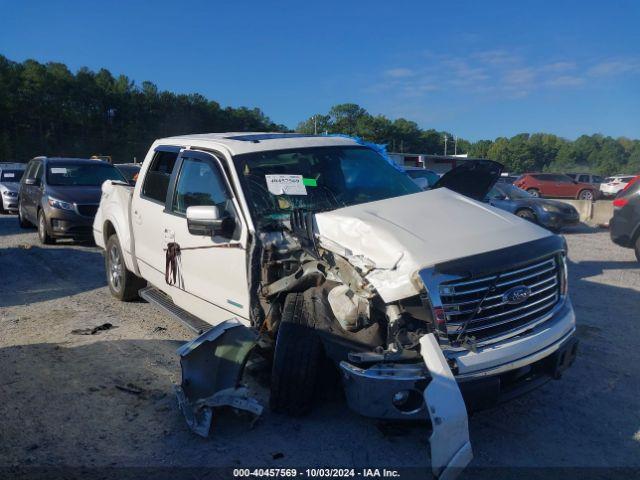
[477,308]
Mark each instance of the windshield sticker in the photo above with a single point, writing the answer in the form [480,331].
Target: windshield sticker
[309,182]
[58,170]
[9,175]
[285,184]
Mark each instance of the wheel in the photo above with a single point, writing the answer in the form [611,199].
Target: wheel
[297,359]
[585,195]
[43,234]
[23,222]
[1,206]
[637,248]
[534,192]
[123,284]
[527,215]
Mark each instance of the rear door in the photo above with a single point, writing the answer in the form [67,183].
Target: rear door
[563,186]
[212,275]
[147,213]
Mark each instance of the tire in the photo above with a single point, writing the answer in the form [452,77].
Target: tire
[1,206]
[23,222]
[123,284]
[586,194]
[43,234]
[297,359]
[637,248]
[534,192]
[527,214]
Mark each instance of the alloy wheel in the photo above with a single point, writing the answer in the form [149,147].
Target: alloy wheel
[115,268]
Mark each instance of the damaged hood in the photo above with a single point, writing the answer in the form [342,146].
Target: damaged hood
[392,239]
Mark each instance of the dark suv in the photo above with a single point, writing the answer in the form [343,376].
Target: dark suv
[624,226]
[61,196]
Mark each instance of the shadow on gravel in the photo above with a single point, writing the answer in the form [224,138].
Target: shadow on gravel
[9,225]
[111,403]
[32,274]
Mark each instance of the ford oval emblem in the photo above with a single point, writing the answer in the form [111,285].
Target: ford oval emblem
[516,295]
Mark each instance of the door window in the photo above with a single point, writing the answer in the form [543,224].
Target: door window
[38,172]
[200,183]
[583,178]
[156,181]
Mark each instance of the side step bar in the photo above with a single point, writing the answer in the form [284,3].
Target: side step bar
[164,303]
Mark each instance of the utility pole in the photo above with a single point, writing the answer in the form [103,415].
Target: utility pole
[315,125]
[455,145]
[445,145]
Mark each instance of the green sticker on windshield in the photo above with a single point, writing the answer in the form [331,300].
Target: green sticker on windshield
[309,182]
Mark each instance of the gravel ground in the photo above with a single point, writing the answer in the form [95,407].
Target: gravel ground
[69,399]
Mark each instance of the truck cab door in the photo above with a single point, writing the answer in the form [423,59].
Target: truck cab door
[211,280]
[148,213]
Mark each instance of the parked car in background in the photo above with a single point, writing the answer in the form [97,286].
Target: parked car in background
[612,185]
[556,185]
[586,178]
[61,196]
[551,214]
[10,175]
[422,177]
[130,171]
[624,226]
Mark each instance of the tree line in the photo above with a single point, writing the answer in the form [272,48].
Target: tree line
[45,109]
[521,153]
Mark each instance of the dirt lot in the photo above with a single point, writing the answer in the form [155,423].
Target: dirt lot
[107,400]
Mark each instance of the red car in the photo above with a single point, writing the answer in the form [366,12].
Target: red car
[555,185]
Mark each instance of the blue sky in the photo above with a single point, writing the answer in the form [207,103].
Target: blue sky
[477,69]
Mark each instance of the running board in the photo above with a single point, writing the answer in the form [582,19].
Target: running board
[164,303]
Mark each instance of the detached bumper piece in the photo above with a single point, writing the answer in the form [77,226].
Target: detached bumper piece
[212,366]
[412,392]
[450,446]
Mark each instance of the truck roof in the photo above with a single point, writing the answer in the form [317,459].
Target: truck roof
[247,142]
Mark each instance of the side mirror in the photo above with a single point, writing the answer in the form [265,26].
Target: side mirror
[32,181]
[206,220]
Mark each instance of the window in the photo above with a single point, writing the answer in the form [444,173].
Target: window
[156,181]
[38,172]
[583,178]
[200,183]
[332,177]
[597,179]
[81,174]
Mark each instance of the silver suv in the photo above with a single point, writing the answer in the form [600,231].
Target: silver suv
[10,175]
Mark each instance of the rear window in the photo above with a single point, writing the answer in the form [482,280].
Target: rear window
[156,180]
[632,188]
[11,175]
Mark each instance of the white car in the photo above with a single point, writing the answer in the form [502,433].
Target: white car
[612,185]
[323,251]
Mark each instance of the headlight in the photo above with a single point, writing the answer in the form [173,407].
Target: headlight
[9,194]
[59,204]
[551,208]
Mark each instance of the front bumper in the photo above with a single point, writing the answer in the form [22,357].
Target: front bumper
[68,224]
[558,220]
[10,203]
[492,375]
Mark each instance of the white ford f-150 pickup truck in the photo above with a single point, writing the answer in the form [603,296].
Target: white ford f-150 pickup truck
[428,303]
